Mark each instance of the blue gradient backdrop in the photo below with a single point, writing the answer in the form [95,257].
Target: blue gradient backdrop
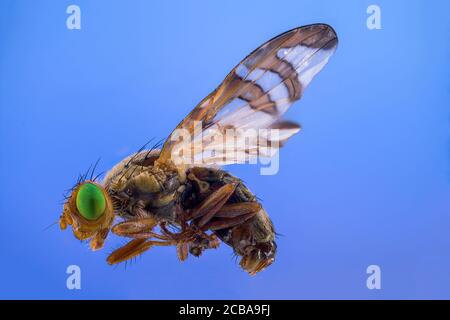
[366,182]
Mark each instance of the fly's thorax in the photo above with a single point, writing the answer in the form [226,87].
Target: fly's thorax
[142,188]
[118,177]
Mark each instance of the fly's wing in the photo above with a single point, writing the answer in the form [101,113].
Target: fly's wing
[251,100]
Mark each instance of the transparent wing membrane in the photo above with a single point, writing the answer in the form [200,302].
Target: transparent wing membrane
[253,98]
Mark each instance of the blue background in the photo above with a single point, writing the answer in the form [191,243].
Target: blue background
[366,182]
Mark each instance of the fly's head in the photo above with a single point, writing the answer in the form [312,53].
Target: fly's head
[90,212]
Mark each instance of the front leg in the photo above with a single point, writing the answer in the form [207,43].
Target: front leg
[135,228]
[134,248]
[141,230]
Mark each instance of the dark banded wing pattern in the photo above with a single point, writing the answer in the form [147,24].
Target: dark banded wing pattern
[256,93]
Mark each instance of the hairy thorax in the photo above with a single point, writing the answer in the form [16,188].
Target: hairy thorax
[139,188]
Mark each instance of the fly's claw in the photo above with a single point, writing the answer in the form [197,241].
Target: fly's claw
[200,244]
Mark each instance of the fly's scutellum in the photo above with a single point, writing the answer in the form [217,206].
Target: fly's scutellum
[165,200]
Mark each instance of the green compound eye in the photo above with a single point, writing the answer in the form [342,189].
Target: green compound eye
[91,202]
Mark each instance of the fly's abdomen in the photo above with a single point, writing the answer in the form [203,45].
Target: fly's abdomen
[253,240]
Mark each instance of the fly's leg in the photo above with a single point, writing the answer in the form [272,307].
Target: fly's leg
[233,214]
[213,214]
[99,239]
[191,238]
[182,250]
[141,230]
[228,216]
[134,248]
[200,217]
[206,210]
[200,244]
[250,235]
[138,228]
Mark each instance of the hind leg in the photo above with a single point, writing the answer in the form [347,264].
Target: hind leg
[233,214]
[209,207]
[242,223]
